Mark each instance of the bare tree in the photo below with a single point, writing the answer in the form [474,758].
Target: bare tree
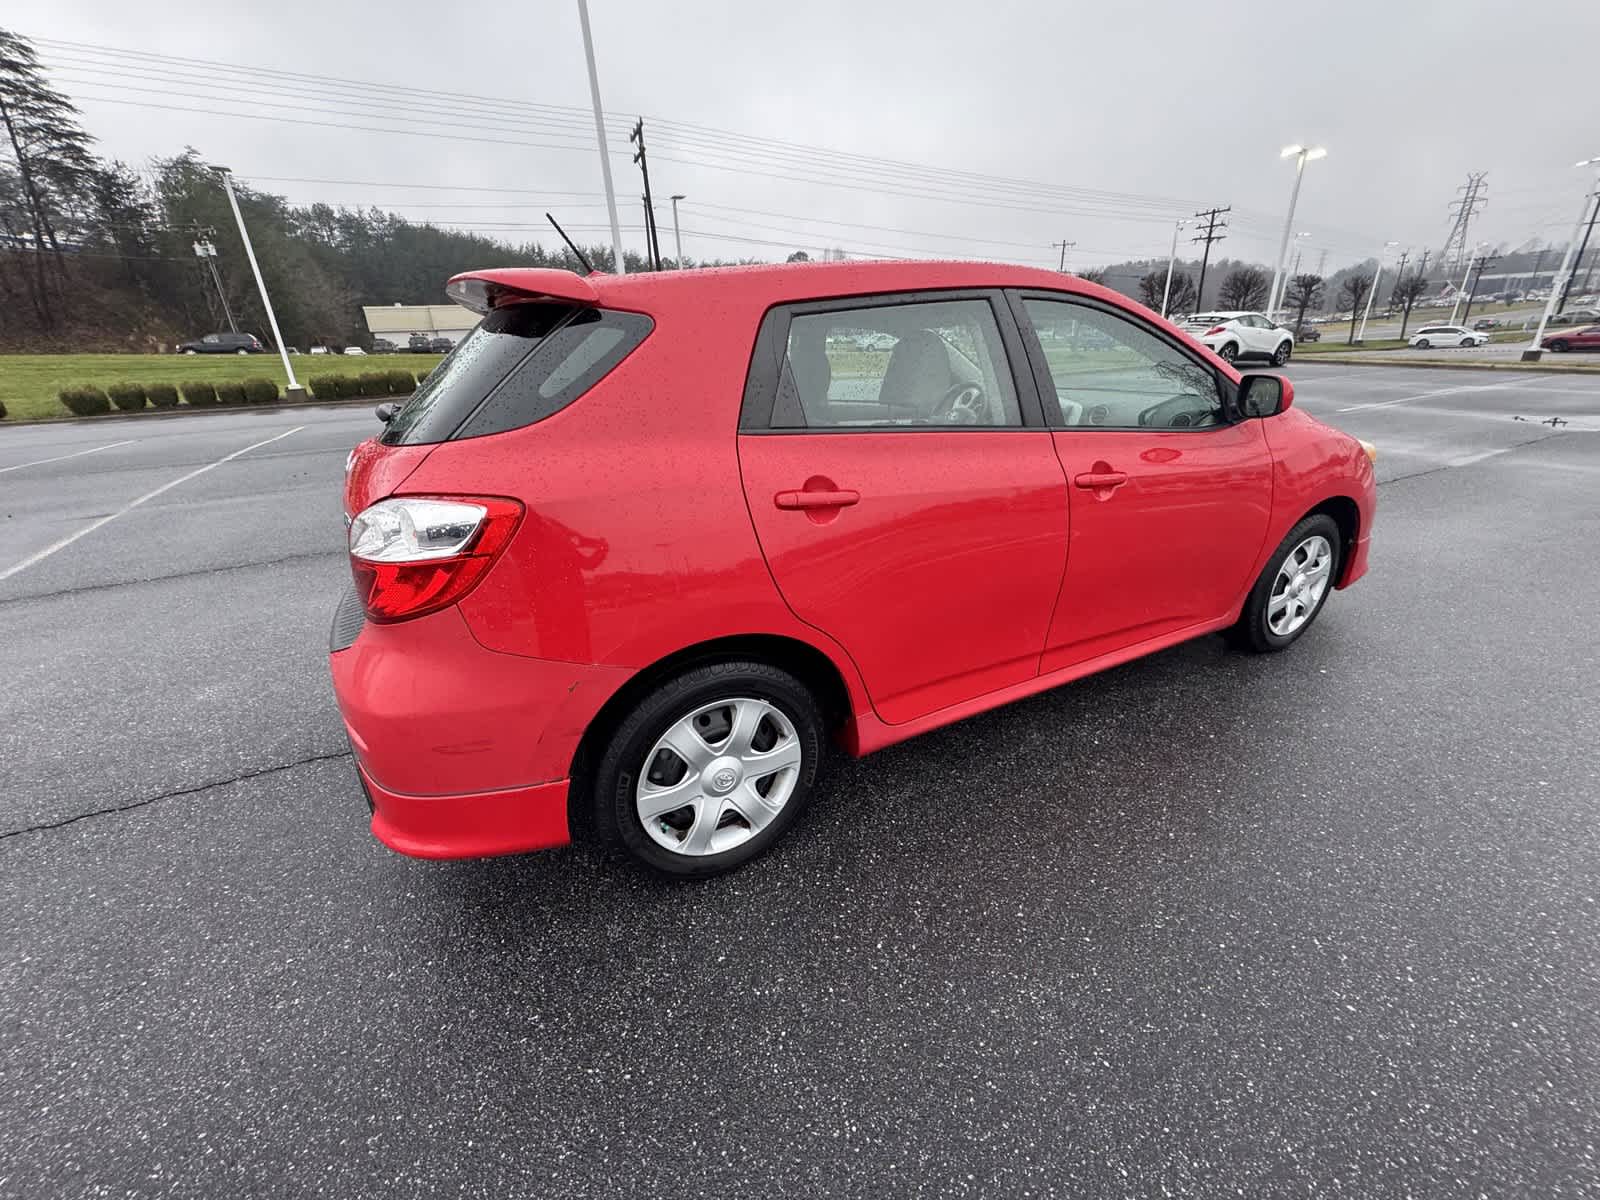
[1153,285]
[1244,287]
[1351,294]
[1094,275]
[1406,294]
[1303,292]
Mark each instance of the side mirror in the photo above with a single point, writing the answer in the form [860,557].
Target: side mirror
[386,411]
[1265,395]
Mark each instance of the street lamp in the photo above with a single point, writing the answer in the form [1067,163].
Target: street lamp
[1383,256]
[293,391]
[677,238]
[1172,259]
[1558,284]
[1302,155]
[620,267]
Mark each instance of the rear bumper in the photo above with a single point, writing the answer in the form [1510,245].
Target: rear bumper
[475,826]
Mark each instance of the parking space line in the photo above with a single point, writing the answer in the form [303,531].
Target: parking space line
[39,462]
[39,557]
[1450,391]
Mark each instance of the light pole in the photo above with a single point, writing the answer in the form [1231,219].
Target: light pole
[1172,260]
[293,391]
[1383,256]
[207,253]
[600,137]
[1302,155]
[1532,353]
[677,237]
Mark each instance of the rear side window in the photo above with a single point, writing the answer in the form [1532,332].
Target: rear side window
[521,364]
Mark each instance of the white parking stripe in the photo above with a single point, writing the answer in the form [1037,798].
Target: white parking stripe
[1450,391]
[32,559]
[39,462]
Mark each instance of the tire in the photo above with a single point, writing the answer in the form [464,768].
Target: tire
[1281,354]
[1560,346]
[1228,352]
[706,697]
[241,352]
[1468,343]
[1422,344]
[191,352]
[1254,630]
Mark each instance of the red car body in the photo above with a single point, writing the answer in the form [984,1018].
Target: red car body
[1587,338]
[918,577]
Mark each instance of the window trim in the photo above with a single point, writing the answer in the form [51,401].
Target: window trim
[772,342]
[1044,382]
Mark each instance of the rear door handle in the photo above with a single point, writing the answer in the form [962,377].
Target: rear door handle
[835,499]
[1101,479]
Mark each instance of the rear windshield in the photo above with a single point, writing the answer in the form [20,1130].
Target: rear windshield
[1205,319]
[521,364]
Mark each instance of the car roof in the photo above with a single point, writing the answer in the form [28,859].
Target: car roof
[767,283]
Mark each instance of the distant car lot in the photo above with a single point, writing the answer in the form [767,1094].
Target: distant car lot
[1369,938]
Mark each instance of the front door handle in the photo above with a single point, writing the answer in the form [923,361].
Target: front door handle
[841,498]
[1101,479]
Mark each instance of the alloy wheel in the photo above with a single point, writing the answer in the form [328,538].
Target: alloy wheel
[718,776]
[1299,586]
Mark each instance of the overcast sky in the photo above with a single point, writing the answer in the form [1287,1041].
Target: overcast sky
[1118,115]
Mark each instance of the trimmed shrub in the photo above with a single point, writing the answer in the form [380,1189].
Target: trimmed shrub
[230,393]
[374,383]
[349,387]
[324,387]
[129,397]
[401,383]
[199,394]
[85,401]
[162,395]
[260,391]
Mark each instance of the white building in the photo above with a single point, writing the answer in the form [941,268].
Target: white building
[397,322]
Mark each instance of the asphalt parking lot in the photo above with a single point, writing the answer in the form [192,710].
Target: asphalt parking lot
[1326,923]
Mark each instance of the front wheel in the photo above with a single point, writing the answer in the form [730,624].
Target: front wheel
[1559,346]
[1468,343]
[1292,588]
[241,352]
[1228,352]
[191,352]
[710,768]
[1281,354]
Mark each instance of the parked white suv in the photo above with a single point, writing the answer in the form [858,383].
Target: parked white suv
[1447,335]
[1241,335]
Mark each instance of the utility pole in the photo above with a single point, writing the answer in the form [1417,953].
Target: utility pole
[1473,198]
[1210,217]
[1566,287]
[1172,261]
[1322,262]
[677,236]
[293,391]
[1399,277]
[206,252]
[1538,261]
[1065,246]
[618,265]
[637,138]
[1484,260]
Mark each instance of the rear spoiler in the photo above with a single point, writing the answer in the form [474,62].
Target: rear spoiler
[485,291]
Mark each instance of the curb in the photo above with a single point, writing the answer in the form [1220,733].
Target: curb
[164,414]
[1446,365]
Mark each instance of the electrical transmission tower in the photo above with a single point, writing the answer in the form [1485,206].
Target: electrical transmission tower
[1208,235]
[1474,195]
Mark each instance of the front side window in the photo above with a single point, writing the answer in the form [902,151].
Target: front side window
[1109,372]
[935,363]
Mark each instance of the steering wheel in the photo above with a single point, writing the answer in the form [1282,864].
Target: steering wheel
[1176,412]
[964,404]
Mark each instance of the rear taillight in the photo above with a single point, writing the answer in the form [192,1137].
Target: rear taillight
[412,555]
[1213,330]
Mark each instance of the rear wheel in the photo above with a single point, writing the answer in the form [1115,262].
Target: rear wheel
[241,352]
[1281,354]
[1228,352]
[1292,588]
[710,768]
[1422,343]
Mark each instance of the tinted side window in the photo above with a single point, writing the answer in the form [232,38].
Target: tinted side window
[1109,372]
[520,365]
[937,363]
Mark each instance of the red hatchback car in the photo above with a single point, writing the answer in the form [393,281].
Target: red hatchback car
[642,548]
[1587,338]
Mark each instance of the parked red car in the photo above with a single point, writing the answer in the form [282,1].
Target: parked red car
[1587,338]
[642,548]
